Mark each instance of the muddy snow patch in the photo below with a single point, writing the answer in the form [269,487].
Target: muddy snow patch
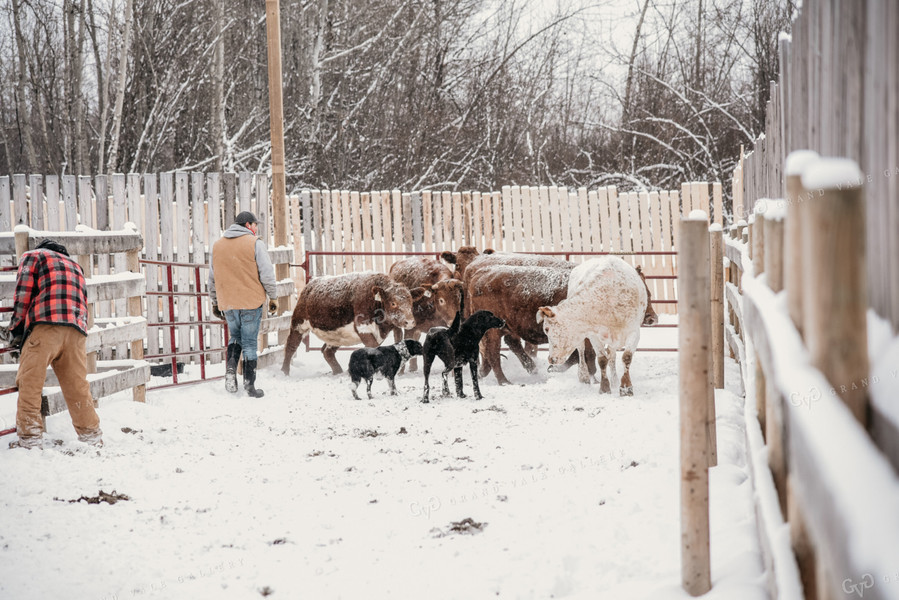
[466,526]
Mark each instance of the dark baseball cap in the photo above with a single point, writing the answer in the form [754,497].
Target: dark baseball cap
[245,217]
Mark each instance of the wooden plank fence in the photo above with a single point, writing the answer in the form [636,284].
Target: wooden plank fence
[165,208]
[820,421]
[838,95]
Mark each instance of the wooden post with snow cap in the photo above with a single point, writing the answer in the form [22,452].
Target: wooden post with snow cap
[742,232]
[757,236]
[773,234]
[775,214]
[834,237]
[793,258]
[757,252]
[694,333]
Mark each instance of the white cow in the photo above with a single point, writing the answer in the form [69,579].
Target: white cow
[607,302]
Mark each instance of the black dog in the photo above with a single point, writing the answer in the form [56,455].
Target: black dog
[456,346]
[387,360]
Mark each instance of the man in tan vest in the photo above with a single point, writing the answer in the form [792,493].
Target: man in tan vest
[240,277]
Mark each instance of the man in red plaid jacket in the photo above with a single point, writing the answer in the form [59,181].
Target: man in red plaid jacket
[49,324]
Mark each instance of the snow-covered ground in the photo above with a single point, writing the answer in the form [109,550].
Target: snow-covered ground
[555,490]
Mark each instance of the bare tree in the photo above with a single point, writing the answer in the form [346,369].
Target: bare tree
[390,93]
[128,17]
[218,84]
[23,118]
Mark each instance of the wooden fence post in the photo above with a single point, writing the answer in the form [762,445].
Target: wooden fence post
[793,258]
[716,333]
[86,262]
[135,310]
[694,332]
[757,237]
[717,290]
[801,543]
[21,236]
[757,251]
[836,276]
[773,224]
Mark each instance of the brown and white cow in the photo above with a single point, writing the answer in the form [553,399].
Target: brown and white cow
[345,310]
[514,293]
[441,300]
[607,302]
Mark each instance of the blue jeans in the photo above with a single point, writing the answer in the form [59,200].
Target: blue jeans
[243,328]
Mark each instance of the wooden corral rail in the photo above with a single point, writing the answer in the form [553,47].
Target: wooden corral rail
[106,377]
[814,404]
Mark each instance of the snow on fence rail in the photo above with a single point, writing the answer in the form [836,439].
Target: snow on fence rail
[127,330]
[166,208]
[820,422]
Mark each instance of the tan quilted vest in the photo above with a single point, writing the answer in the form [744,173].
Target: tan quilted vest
[237,284]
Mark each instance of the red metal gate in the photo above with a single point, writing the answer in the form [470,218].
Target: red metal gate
[172,324]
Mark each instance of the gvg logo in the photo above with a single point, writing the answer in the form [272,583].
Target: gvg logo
[867,582]
[806,399]
[431,505]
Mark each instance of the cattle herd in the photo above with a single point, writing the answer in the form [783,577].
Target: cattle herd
[586,313]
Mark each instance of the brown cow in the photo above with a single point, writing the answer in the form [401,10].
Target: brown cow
[345,310]
[468,260]
[514,293]
[437,306]
[442,298]
[416,271]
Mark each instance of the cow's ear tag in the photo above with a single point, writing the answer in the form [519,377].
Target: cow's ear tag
[427,293]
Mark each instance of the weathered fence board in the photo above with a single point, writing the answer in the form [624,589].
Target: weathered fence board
[838,95]
[183,214]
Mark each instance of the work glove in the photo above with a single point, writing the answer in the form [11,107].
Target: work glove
[272,306]
[218,314]
[13,341]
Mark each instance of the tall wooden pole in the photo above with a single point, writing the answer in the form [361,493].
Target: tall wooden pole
[276,111]
[694,308]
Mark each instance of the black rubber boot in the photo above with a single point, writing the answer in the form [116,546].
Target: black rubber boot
[249,379]
[231,367]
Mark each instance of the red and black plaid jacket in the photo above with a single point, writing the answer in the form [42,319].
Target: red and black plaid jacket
[49,289]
